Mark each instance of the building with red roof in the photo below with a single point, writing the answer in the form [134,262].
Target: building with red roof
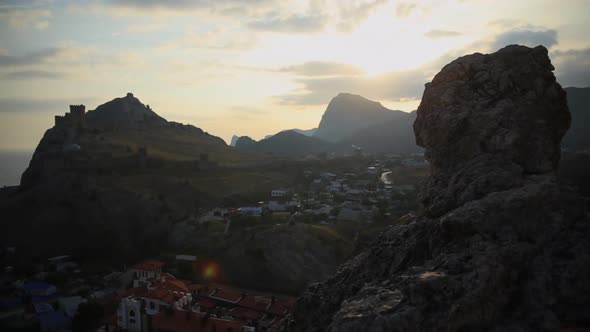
[160,302]
[146,270]
[227,295]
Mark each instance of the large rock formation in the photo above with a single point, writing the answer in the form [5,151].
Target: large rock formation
[487,120]
[500,245]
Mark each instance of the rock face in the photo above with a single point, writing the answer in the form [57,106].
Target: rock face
[485,120]
[500,245]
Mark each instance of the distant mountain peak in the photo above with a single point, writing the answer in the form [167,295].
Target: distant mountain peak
[349,113]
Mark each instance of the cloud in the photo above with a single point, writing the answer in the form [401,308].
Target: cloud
[33,74]
[405,9]
[146,27]
[21,16]
[14,105]
[184,7]
[353,14]
[395,86]
[572,67]
[297,23]
[323,68]
[30,58]
[525,37]
[438,34]
[220,39]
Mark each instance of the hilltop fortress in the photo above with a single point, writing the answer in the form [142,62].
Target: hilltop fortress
[75,118]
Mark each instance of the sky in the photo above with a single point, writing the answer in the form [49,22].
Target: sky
[255,67]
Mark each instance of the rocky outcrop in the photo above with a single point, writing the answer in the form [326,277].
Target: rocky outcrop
[124,113]
[500,245]
[487,120]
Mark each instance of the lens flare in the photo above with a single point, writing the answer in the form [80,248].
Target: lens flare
[210,271]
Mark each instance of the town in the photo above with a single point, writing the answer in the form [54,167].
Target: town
[180,292]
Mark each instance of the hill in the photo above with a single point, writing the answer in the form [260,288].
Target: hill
[306,132]
[119,132]
[290,144]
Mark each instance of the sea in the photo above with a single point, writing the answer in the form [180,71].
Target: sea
[12,165]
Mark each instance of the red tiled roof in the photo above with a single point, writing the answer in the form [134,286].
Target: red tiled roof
[177,285]
[137,291]
[148,265]
[206,303]
[249,301]
[186,321]
[160,294]
[228,295]
[243,313]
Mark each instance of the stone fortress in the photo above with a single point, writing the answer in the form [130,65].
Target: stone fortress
[73,119]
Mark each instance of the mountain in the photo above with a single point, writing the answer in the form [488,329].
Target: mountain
[578,137]
[120,172]
[245,143]
[289,144]
[308,132]
[234,140]
[354,120]
[500,245]
[348,114]
[123,113]
[119,130]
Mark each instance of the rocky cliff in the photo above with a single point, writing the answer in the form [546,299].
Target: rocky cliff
[500,246]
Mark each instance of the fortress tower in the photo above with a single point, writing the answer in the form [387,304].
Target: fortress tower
[75,118]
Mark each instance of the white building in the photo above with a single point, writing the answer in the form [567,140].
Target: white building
[147,270]
[129,314]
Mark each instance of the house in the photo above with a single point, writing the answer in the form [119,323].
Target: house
[162,293]
[150,269]
[255,211]
[280,200]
